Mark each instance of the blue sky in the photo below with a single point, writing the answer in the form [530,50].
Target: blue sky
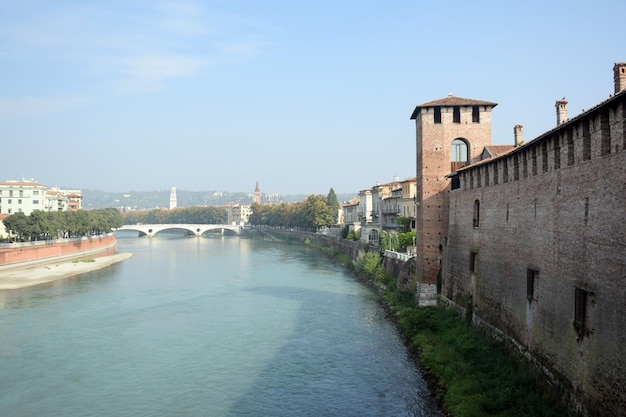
[301,96]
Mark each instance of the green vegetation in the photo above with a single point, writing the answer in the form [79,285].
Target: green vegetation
[186,215]
[311,214]
[470,373]
[85,260]
[41,225]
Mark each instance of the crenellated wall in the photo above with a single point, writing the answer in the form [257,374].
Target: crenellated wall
[536,248]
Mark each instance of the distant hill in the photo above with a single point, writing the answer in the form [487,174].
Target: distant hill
[143,200]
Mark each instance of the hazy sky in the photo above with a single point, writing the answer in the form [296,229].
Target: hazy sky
[299,95]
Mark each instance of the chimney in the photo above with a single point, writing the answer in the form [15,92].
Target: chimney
[561,111]
[619,76]
[519,135]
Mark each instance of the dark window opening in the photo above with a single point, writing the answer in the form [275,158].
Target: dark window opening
[531,276]
[580,311]
[456,114]
[525,165]
[437,114]
[544,157]
[533,156]
[476,217]
[456,182]
[516,167]
[475,114]
[473,261]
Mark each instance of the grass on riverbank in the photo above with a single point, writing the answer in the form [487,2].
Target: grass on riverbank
[470,373]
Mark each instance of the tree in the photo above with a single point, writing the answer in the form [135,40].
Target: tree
[332,201]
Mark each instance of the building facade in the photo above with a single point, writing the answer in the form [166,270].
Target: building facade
[27,196]
[534,243]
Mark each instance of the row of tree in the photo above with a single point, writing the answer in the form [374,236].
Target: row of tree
[189,215]
[314,212]
[41,225]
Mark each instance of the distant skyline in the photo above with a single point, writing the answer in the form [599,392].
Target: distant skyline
[300,96]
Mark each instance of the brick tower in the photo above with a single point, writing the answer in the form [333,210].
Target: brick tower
[450,133]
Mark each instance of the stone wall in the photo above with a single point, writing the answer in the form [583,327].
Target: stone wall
[546,263]
[40,251]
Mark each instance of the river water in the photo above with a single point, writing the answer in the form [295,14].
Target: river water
[222,326]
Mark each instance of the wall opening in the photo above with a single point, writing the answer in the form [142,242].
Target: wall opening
[459,151]
[475,114]
[456,114]
[580,311]
[531,276]
[476,216]
[437,115]
[473,261]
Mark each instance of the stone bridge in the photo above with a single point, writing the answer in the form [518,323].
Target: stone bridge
[197,229]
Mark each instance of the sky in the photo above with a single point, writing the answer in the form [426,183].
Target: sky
[301,96]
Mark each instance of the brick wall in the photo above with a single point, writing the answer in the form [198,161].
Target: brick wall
[563,222]
[61,247]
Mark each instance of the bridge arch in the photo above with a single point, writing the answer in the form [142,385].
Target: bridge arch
[194,229]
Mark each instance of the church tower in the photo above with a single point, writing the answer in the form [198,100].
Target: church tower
[173,198]
[450,133]
[257,194]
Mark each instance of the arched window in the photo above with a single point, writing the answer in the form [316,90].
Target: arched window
[476,218]
[373,237]
[458,151]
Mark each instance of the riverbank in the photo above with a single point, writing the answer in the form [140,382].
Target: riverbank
[470,373]
[28,274]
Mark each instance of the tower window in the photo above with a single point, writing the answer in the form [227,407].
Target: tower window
[456,114]
[475,114]
[437,115]
[458,151]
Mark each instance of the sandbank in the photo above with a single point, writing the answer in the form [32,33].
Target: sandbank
[26,275]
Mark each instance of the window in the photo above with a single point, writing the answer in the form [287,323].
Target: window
[9,201]
[456,114]
[473,261]
[35,201]
[437,115]
[580,311]
[531,276]
[458,151]
[456,182]
[476,217]
[475,114]
[19,201]
[36,192]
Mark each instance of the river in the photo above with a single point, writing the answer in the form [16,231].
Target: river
[222,326]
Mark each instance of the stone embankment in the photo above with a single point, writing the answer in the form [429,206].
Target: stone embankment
[33,263]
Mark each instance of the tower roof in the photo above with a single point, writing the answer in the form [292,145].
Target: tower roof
[451,101]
